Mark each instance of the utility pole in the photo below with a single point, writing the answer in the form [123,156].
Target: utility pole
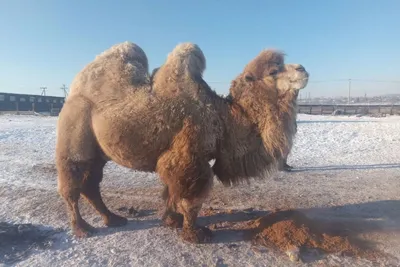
[348,101]
[43,88]
[64,88]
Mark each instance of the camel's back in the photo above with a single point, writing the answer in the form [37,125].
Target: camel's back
[116,72]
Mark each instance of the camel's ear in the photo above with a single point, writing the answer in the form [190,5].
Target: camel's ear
[153,74]
[154,71]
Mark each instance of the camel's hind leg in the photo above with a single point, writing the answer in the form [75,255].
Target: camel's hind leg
[84,179]
[79,164]
[70,177]
[91,192]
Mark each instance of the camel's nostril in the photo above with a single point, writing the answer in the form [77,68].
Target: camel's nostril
[300,68]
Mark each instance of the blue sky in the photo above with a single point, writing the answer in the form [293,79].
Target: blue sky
[46,42]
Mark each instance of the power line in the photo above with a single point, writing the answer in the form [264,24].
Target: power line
[376,81]
[328,81]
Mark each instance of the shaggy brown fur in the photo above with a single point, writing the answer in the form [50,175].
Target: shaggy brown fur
[171,123]
[284,166]
[266,94]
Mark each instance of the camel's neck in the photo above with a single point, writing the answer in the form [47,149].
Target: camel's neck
[288,109]
[257,133]
[275,118]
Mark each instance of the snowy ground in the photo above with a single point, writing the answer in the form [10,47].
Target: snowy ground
[347,172]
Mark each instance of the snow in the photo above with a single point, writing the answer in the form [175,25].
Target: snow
[346,168]
[330,140]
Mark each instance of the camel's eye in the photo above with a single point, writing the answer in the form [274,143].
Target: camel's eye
[249,78]
[273,72]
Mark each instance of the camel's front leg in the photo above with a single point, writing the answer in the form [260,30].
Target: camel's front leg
[187,190]
[191,232]
[188,177]
[171,217]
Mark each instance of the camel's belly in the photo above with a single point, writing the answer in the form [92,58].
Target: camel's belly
[131,147]
[130,156]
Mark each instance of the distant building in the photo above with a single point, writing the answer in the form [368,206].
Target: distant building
[36,103]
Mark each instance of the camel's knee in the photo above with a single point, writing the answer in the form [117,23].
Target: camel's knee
[199,187]
[192,196]
[69,191]
[70,180]
[165,193]
[93,178]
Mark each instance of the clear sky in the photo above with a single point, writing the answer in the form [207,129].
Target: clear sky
[46,42]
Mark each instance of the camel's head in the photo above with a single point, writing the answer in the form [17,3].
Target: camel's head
[269,66]
[266,90]
[292,77]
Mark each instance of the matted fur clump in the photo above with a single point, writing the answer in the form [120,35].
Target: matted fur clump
[184,66]
[119,69]
[187,57]
[171,123]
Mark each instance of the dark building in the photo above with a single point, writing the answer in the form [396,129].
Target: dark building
[37,103]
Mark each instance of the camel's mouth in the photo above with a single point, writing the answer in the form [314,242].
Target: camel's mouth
[302,82]
[299,84]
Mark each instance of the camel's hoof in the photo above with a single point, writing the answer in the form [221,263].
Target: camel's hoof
[287,168]
[81,233]
[84,230]
[115,220]
[173,220]
[197,236]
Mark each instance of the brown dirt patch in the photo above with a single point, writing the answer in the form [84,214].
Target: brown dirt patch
[291,232]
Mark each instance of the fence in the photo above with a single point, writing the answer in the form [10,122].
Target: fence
[375,109]
[52,105]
